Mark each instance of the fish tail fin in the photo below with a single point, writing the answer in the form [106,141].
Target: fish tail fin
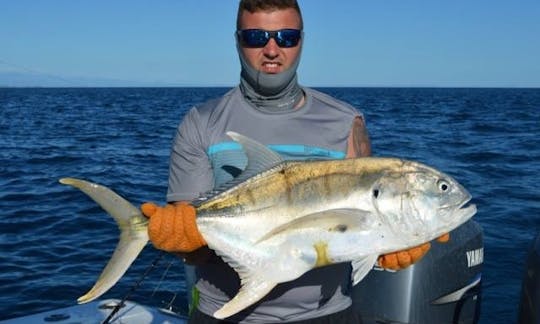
[133,234]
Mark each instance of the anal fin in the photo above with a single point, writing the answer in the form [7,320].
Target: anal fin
[251,292]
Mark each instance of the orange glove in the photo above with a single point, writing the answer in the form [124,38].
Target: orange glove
[173,228]
[402,259]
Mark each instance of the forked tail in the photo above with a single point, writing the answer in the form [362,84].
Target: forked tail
[133,234]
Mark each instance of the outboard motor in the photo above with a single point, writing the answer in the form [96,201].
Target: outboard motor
[443,287]
[529,306]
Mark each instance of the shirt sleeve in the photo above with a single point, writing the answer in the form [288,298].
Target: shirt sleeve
[190,171]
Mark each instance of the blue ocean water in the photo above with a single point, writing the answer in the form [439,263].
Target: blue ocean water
[54,241]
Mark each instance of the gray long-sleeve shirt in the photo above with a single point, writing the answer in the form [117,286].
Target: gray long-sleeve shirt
[204,157]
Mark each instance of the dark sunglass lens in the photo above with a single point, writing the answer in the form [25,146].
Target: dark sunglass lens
[254,37]
[288,37]
[259,37]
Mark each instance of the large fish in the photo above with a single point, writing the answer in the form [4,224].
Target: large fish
[274,225]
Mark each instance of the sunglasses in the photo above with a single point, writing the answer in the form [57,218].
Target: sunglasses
[257,38]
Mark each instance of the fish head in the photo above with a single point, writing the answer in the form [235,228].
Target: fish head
[421,203]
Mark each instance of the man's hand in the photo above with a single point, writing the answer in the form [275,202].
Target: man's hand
[173,228]
[402,259]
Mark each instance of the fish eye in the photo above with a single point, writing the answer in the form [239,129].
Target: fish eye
[443,185]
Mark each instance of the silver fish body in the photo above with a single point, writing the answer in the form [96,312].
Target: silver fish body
[275,225]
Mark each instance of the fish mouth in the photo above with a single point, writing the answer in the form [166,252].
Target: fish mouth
[462,212]
[457,206]
[466,212]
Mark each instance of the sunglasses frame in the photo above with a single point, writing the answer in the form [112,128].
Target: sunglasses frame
[277,35]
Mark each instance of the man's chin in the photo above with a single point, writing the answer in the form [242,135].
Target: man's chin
[271,70]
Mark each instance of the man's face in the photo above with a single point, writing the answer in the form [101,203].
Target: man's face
[271,58]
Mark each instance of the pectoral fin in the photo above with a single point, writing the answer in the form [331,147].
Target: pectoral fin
[333,220]
[361,267]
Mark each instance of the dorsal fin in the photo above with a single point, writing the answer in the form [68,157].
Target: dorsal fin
[259,158]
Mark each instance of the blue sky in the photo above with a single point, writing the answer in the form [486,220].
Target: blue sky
[347,42]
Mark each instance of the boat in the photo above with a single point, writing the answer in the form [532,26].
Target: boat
[100,311]
[529,306]
[445,286]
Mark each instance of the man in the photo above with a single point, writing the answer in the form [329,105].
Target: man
[270,107]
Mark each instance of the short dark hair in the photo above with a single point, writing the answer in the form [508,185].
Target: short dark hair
[264,5]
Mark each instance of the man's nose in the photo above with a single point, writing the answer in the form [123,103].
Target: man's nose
[271,49]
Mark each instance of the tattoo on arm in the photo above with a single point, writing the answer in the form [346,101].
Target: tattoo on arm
[359,144]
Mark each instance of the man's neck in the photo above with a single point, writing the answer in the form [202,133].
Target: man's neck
[289,98]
